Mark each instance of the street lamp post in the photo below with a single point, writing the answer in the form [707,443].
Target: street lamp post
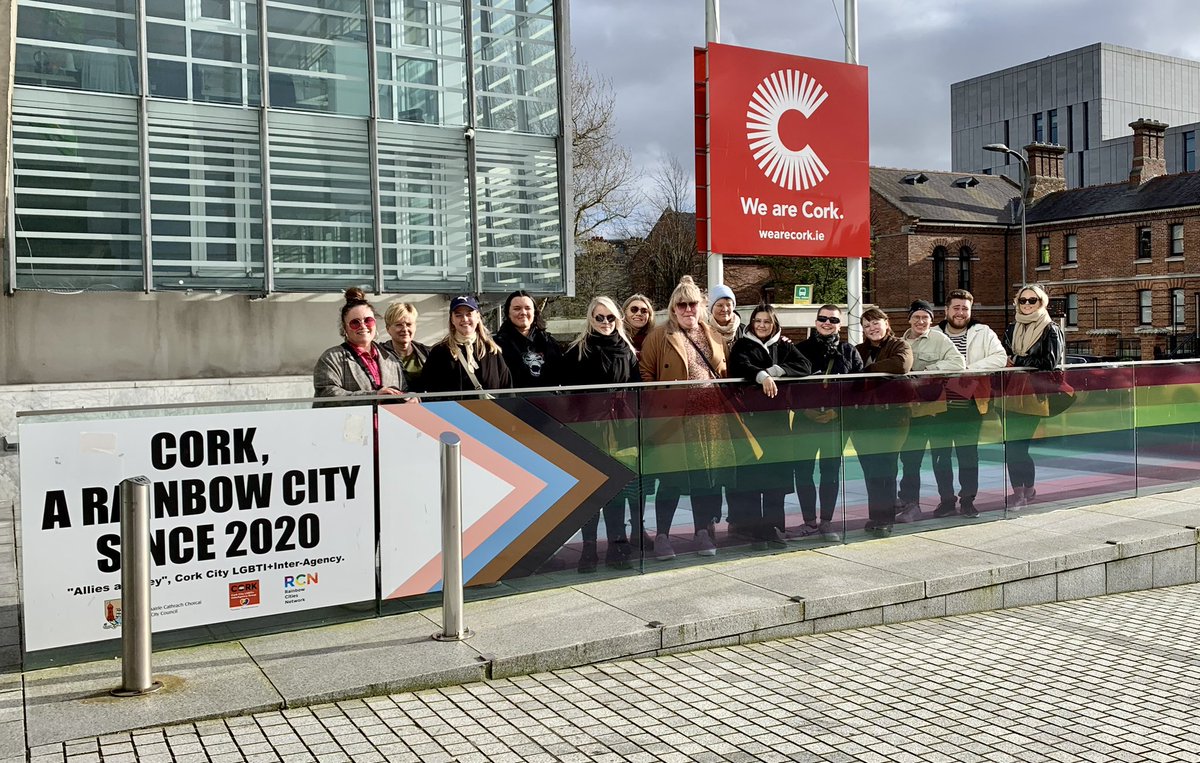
[1000,148]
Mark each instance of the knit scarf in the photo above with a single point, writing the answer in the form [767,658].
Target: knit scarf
[727,332]
[466,351]
[1029,330]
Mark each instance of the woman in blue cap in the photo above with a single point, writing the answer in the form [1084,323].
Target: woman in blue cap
[467,359]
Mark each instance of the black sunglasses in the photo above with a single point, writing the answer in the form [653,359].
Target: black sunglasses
[1028,300]
[605,318]
[829,319]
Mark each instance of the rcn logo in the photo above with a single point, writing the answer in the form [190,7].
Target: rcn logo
[302,580]
[778,102]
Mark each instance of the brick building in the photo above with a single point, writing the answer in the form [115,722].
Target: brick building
[1117,256]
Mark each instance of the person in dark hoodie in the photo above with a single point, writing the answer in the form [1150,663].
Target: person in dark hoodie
[817,430]
[532,355]
[760,357]
[603,354]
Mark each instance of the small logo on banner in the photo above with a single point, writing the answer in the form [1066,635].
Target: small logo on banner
[243,594]
[302,580]
[775,106]
[112,613]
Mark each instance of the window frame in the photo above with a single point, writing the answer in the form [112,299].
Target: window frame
[1144,243]
[1071,248]
[964,268]
[1043,251]
[1178,308]
[1145,307]
[940,255]
[1176,228]
[1072,309]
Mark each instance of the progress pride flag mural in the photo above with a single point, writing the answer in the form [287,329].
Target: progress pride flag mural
[788,154]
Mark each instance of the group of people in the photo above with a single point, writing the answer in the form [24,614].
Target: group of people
[714,440]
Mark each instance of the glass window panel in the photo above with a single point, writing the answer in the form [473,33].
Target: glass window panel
[322,236]
[520,236]
[319,57]
[421,61]
[424,202]
[168,79]
[165,38]
[515,74]
[205,197]
[76,192]
[182,56]
[67,46]
[166,9]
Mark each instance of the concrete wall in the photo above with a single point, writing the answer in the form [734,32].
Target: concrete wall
[49,337]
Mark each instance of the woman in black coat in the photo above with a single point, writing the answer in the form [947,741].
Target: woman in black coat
[467,359]
[1033,341]
[761,357]
[531,353]
[603,354]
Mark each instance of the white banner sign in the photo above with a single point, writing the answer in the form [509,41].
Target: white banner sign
[254,513]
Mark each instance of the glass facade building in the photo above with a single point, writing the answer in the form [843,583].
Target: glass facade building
[289,145]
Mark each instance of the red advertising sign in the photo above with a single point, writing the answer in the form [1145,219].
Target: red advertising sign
[788,155]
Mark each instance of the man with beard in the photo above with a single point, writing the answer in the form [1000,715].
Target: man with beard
[967,400]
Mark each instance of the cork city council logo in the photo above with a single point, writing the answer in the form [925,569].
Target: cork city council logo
[780,105]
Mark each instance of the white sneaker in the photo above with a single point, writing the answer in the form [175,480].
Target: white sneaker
[662,548]
[704,544]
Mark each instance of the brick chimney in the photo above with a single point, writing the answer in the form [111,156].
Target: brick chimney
[1045,170]
[1148,159]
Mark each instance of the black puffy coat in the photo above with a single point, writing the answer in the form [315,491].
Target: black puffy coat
[750,355]
[1046,353]
[830,357]
[609,360]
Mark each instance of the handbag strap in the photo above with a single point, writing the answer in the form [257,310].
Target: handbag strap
[703,357]
[470,374]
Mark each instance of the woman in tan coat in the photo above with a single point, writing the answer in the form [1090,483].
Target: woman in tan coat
[687,442]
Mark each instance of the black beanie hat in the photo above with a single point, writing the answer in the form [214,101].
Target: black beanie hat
[920,305]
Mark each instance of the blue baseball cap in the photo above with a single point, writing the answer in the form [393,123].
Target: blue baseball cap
[465,300]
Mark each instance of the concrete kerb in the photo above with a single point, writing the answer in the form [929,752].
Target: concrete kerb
[1067,554]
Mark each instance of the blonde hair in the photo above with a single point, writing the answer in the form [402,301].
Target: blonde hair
[687,291]
[1043,298]
[484,344]
[644,300]
[609,305]
[397,309]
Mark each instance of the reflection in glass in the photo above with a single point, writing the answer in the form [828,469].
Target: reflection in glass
[421,61]
[85,46]
[319,56]
[76,191]
[515,67]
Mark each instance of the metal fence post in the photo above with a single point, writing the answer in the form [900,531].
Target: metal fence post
[136,677]
[452,574]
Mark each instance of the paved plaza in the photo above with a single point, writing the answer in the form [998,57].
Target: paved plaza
[1114,678]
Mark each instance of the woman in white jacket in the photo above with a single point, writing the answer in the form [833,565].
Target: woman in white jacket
[932,351]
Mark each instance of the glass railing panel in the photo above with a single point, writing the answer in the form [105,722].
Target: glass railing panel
[816,513]
[1167,415]
[1069,437]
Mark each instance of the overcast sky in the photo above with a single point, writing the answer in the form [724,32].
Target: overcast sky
[914,50]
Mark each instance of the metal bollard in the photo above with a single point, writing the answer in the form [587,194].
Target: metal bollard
[452,574]
[136,677]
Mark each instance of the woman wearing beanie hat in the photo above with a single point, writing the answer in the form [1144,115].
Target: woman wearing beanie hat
[722,315]
[932,351]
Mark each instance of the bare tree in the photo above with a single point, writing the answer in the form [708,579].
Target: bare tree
[604,179]
[669,250]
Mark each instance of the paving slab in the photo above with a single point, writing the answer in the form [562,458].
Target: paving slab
[1134,537]
[945,568]
[210,681]
[546,630]
[370,657]
[12,725]
[829,585]
[697,604]
[1156,508]
[1046,552]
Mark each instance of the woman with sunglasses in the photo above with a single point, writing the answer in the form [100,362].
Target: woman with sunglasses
[603,354]
[687,439]
[639,319]
[760,357]
[1033,341]
[357,366]
[467,359]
